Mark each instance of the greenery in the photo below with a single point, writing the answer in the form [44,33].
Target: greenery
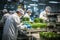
[39,25]
[38,20]
[49,35]
[36,25]
[41,20]
[25,19]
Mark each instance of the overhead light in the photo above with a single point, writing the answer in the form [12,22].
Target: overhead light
[33,5]
[53,2]
[42,4]
[9,0]
[35,0]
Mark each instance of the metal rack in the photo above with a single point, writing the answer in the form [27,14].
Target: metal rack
[32,34]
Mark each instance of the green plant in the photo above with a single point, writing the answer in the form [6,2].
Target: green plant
[49,35]
[39,25]
[25,19]
[36,20]
[41,20]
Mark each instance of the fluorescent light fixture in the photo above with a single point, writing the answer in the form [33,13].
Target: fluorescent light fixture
[42,4]
[33,5]
[9,0]
[35,0]
[53,2]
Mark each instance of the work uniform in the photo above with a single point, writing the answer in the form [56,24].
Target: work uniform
[43,15]
[11,26]
[5,16]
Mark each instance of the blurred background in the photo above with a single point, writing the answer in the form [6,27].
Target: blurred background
[36,6]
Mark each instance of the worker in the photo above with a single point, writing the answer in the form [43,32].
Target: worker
[5,16]
[10,12]
[43,14]
[13,11]
[11,26]
[29,12]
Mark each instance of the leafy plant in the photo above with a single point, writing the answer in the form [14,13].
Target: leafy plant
[49,34]
[39,25]
[25,19]
[36,25]
[36,20]
[41,20]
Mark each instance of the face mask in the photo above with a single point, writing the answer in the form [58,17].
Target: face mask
[30,14]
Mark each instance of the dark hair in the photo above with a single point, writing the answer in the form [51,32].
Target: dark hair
[17,12]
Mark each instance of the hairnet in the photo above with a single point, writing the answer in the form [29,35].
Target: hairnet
[14,11]
[29,10]
[5,10]
[48,8]
[10,12]
[21,11]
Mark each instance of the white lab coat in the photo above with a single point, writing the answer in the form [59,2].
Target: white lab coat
[11,27]
[43,15]
[5,16]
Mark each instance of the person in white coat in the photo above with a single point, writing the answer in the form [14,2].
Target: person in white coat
[29,12]
[43,14]
[5,16]
[11,27]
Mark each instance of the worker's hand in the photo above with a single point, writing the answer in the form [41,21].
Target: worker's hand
[23,27]
[21,23]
